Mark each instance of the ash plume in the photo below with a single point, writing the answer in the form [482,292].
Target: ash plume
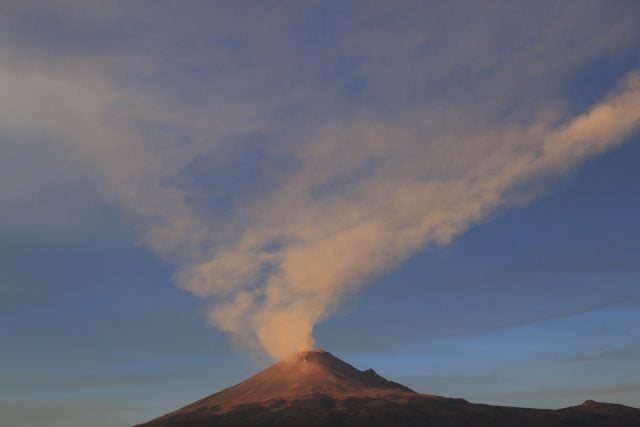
[330,244]
[275,204]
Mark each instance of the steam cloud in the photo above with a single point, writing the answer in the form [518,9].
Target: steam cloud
[328,245]
[337,200]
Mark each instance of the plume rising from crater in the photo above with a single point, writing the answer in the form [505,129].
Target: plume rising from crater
[370,193]
[276,206]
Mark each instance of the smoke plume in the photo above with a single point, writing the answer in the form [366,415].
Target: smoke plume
[305,247]
[274,187]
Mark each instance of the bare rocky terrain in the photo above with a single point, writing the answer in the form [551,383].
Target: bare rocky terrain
[315,388]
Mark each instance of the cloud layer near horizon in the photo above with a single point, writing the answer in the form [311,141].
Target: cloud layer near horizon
[279,180]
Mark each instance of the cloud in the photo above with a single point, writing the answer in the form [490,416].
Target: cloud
[617,355]
[278,186]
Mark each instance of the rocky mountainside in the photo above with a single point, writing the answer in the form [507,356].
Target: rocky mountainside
[315,388]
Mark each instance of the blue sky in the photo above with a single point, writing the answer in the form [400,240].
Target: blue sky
[444,192]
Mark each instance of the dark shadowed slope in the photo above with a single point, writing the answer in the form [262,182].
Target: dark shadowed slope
[315,388]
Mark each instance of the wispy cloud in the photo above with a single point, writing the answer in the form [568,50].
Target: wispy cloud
[610,355]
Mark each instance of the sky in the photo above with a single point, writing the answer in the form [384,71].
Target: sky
[445,192]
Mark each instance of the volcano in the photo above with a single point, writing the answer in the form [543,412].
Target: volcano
[315,388]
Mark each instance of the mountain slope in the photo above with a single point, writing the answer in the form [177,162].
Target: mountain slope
[315,388]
